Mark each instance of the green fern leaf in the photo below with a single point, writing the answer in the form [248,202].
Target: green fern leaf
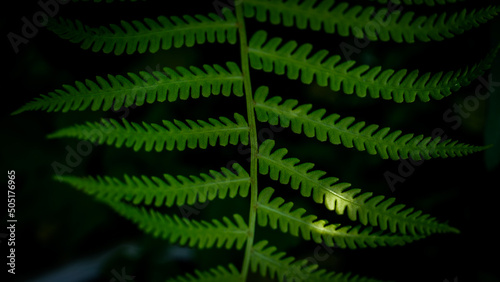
[119,91]
[200,234]
[265,260]
[171,135]
[341,198]
[168,191]
[357,135]
[358,21]
[213,275]
[149,35]
[277,214]
[389,84]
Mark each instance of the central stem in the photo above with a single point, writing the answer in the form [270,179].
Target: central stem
[253,139]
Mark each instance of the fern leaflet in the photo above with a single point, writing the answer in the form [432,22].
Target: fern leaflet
[344,19]
[266,260]
[168,191]
[149,35]
[354,135]
[200,234]
[382,222]
[389,84]
[171,135]
[277,214]
[119,91]
[341,198]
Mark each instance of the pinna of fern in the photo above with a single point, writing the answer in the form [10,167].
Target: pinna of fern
[398,85]
[177,134]
[345,19]
[357,135]
[120,91]
[149,35]
[167,190]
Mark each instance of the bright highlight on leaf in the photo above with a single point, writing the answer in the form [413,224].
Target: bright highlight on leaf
[342,198]
[278,214]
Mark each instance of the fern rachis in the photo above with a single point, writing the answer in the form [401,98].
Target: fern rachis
[377,221]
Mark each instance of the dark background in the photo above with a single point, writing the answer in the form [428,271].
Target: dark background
[64,235]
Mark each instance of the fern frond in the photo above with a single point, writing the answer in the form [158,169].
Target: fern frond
[264,259]
[361,22]
[357,135]
[200,234]
[168,190]
[149,35]
[171,135]
[402,85]
[119,91]
[218,274]
[341,197]
[276,213]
